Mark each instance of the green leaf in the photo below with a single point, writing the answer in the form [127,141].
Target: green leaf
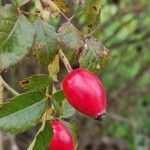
[16,37]
[42,138]
[47,44]
[58,97]
[57,107]
[94,57]
[67,109]
[36,82]
[20,2]
[22,112]
[61,105]
[71,41]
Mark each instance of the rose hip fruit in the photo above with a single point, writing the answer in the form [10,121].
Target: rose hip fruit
[85,92]
[62,138]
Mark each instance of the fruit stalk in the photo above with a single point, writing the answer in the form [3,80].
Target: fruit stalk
[62,138]
[65,61]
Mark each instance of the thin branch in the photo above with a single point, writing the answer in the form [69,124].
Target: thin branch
[8,87]
[65,61]
[121,119]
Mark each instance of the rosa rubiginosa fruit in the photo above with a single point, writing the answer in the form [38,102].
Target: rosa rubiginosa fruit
[62,138]
[85,92]
[46,44]
[71,42]
[94,57]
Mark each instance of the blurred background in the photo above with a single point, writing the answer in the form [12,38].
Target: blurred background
[125,31]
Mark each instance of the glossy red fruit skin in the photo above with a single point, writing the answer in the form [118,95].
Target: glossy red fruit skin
[62,138]
[85,92]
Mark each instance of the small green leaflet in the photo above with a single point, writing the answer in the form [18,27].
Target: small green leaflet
[59,96]
[67,109]
[61,105]
[22,112]
[36,82]
[57,99]
[42,138]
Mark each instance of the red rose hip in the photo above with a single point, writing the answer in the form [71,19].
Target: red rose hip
[62,138]
[85,92]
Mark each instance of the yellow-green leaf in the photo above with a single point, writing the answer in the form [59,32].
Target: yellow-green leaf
[53,68]
[92,10]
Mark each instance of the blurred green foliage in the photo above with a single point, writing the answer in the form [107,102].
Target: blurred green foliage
[125,31]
